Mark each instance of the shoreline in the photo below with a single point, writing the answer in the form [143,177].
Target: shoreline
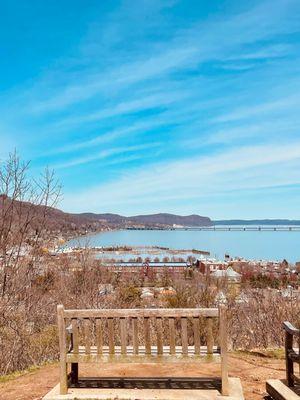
[248,246]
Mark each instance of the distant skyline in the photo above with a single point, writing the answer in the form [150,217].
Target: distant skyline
[185,107]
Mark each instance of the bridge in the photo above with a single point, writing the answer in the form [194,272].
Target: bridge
[217,228]
[240,228]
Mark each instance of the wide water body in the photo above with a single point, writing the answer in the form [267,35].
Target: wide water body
[253,245]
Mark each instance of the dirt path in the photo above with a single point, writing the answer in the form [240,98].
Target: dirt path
[251,369]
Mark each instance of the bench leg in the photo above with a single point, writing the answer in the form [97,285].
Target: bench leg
[288,361]
[224,355]
[74,373]
[225,384]
[63,378]
[290,372]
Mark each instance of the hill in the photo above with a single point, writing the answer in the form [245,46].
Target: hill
[54,219]
[152,219]
[171,219]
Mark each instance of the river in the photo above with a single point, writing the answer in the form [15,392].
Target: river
[252,245]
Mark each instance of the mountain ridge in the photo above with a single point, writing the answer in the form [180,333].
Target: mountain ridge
[159,218]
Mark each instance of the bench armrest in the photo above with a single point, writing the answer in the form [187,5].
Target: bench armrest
[288,327]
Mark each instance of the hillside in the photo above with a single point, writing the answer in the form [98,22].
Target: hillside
[152,219]
[171,219]
[50,218]
[57,220]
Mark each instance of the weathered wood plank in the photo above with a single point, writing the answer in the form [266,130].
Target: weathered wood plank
[184,335]
[123,335]
[172,335]
[135,335]
[147,335]
[75,337]
[289,364]
[99,335]
[87,335]
[142,350]
[209,335]
[196,331]
[279,391]
[111,335]
[62,349]
[159,333]
[223,345]
[151,312]
[143,357]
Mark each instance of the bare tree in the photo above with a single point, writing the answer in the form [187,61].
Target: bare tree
[24,206]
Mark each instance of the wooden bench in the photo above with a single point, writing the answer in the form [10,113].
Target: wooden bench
[292,352]
[140,335]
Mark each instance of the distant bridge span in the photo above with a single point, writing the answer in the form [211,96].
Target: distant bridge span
[240,228]
[226,228]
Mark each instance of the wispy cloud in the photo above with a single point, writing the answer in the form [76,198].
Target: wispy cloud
[105,154]
[212,175]
[124,107]
[281,105]
[112,135]
[211,87]
[200,43]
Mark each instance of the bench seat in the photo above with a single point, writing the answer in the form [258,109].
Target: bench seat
[142,357]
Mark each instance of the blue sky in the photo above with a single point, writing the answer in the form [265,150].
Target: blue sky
[157,106]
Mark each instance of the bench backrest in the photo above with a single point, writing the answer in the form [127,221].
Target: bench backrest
[148,331]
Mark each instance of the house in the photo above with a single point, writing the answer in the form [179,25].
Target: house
[228,274]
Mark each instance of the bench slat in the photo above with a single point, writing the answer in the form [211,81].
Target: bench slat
[123,335]
[196,331]
[74,324]
[145,312]
[142,359]
[135,336]
[143,356]
[99,335]
[210,336]
[184,336]
[142,351]
[111,335]
[172,335]
[87,335]
[147,335]
[159,332]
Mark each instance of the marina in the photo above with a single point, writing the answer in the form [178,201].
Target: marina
[249,244]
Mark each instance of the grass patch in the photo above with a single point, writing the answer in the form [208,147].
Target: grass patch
[277,354]
[17,374]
